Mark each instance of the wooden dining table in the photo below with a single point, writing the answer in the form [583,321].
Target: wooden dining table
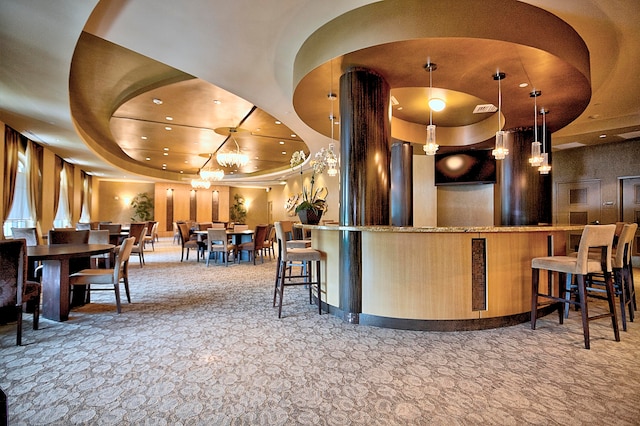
[56,261]
[237,237]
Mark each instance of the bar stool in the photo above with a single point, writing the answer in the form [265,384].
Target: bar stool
[286,255]
[593,236]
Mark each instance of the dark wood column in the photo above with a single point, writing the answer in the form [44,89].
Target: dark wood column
[365,132]
[525,195]
[401,184]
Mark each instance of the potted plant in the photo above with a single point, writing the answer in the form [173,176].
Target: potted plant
[142,207]
[313,203]
[238,211]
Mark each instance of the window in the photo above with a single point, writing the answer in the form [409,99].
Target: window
[63,215]
[19,216]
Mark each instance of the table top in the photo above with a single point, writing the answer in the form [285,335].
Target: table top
[229,232]
[58,251]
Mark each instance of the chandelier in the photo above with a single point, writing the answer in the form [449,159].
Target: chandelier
[500,151]
[208,173]
[234,158]
[200,184]
[331,157]
[545,167]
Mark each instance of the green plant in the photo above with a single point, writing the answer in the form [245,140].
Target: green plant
[312,198]
[142,207]
[238,212]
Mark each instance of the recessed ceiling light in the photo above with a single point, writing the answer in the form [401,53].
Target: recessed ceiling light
[169,118]
[217,101]
[148,158]
[166,153]
[257,158]
[523,84]
[278,122]
[157,101]
[603,136]
[181,171]
[144,138]
[293,135]
[166,149]
[258,129]
[399,108]
[284,152]
[167,128]
[281,142]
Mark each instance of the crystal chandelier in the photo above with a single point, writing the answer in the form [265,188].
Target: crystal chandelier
[208,173]
[545,167]
[430,147]
[200,184]
[536,157]
[234,158]
[500,151]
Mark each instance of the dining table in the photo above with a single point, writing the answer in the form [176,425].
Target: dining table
[237,238]
[58,262]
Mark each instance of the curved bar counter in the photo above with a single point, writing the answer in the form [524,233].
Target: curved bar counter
[458,278]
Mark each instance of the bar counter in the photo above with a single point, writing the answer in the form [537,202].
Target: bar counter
[439,278]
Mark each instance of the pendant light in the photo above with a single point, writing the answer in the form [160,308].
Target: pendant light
[208,173]
[545,167]
[430,147]
[331,157]
[230,159]
[536,157]
[500,151]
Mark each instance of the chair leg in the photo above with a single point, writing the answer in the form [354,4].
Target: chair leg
[36,314]
[19,325]
[582,292]
[612,305]
[567,295]
[116,288]
[535,279]
[281,293]
[126,288]
[619,288]
[275,291]
[318,278]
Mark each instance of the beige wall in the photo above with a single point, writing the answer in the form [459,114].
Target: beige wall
[114,200]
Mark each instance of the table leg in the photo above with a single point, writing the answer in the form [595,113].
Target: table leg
[55,289]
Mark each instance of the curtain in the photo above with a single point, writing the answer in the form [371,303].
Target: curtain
[34,181]
[85,197]
[11,148]
[56,184]
[68,171]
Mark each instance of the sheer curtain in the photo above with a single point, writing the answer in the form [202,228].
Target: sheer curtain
[11,147]
[68,171]
[85,198]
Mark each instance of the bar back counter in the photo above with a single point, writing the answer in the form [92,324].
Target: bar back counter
[446,279]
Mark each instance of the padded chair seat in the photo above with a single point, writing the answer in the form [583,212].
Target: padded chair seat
[303,255]
[565,264]
[31,290]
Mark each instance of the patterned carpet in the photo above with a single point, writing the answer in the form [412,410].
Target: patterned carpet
[203,346]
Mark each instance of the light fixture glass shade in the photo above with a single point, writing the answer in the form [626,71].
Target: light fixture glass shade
[500,151]
[536,155]
[200,184]
[431,146]
[211,175]
[545,168]
[332,161]
[437,104]
[235,158]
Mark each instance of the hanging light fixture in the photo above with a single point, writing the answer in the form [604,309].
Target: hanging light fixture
[230,159]
[500,151]
[545,167]
[208,173]
[430,147]
[536,157]
[200,184]
[331,157]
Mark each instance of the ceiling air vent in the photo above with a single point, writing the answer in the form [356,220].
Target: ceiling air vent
[481,109]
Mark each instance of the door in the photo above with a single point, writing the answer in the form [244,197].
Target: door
[630,206]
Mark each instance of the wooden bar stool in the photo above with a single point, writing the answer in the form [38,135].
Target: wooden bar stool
[305,255]
[593,236]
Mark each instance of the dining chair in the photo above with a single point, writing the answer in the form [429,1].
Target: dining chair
[254,247]
[188,243]
[305,255]
[581,266]
[68,236]
[152,234]
[100,236]
[267,246]
[83,225]
[111,277]
[138,230]
[218,243]
[17,294]
[31,237]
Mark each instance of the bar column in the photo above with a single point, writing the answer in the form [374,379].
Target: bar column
[365,132]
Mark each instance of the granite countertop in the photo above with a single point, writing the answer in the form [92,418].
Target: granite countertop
[450,229]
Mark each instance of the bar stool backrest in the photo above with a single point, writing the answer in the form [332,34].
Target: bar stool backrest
[595,236]
[625,245]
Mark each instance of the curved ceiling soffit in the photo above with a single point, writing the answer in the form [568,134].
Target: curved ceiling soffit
[473,39]
[102,77]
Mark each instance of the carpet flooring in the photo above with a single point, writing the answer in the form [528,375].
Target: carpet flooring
[203,346]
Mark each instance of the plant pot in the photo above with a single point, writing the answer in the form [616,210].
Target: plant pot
[309,217]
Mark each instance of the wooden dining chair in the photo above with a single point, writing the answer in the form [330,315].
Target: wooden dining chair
[111,277]
[218,243]
[254,247]
[68,236]
[137,230]
[17,292]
